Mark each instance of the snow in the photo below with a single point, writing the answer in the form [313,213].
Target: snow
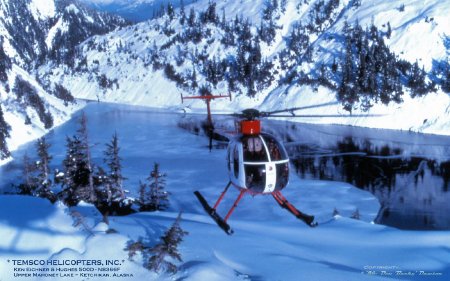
[268,243]
[59,26]
[418,34]
[42,9]
[22,133]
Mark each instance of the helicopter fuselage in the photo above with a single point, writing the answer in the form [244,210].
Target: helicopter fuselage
[257,163]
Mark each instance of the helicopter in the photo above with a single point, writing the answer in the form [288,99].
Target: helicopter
[257,162]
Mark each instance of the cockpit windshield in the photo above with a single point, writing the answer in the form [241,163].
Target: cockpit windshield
[263,148]
[254,150]
[275,148]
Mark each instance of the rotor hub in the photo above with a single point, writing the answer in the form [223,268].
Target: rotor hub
[250,127]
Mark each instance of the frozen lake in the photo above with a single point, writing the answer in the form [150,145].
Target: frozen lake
[339,248]
[407,172]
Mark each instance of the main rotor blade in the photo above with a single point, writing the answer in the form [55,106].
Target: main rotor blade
[329,115]
[292,109]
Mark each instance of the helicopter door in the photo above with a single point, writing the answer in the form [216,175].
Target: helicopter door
[235,166]
[271,177]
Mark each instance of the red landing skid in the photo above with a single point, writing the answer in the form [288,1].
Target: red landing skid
[222,223]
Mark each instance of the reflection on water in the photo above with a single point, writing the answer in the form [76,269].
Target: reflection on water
[413,191]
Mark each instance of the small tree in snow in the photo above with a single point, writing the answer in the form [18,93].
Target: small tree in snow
[356,215]
[161,256]
[4,134]
[43,184]
[167,249]
[114,178]
[153,197]
[78,181]
[28,187]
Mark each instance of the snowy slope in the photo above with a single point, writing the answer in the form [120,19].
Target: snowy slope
[138,10]
[31,33]
[16,114]
[124,57]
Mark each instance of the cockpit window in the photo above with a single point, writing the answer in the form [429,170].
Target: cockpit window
[282,175]
[254,150]
[276,149]
[255,177]
[236,161]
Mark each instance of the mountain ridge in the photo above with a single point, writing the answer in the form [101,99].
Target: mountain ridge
[280,54]
[354,56]
[33,32]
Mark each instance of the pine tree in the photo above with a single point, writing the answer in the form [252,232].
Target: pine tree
[416,81]
[5,63]
[4,134]
[389,31]
[64,94]
[170,11]
[153,197]
[445,81]
[113,161]
[191,19]
[44,183]
[78,181]
[28,187]
[73,168]
[167,248]
[86,151]
[158,196]
[182,13]
[194,83]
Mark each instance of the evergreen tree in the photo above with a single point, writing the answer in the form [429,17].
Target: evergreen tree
[4,134]
[210,16]
[74,171]
[44,183]
[194,83]
[113,161]
[389,31]
[62,93]
[86,151]
[28,187]
[445,82]
[78,181]
[170,10]
[167,249]
[153,197]
[191,18]
[370,71]
[27,96]
[416,81]
[182,13]
[5,63]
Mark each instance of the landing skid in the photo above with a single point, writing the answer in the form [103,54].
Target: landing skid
[222,222]
[282,201]
[213,214]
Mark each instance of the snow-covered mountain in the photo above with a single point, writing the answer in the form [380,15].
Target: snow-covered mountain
[33,32]
[278,54]
[335,56]
[138,10]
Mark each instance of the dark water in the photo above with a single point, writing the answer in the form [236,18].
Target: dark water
[413,190]
[409,173]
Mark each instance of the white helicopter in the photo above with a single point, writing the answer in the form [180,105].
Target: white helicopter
[257,162]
